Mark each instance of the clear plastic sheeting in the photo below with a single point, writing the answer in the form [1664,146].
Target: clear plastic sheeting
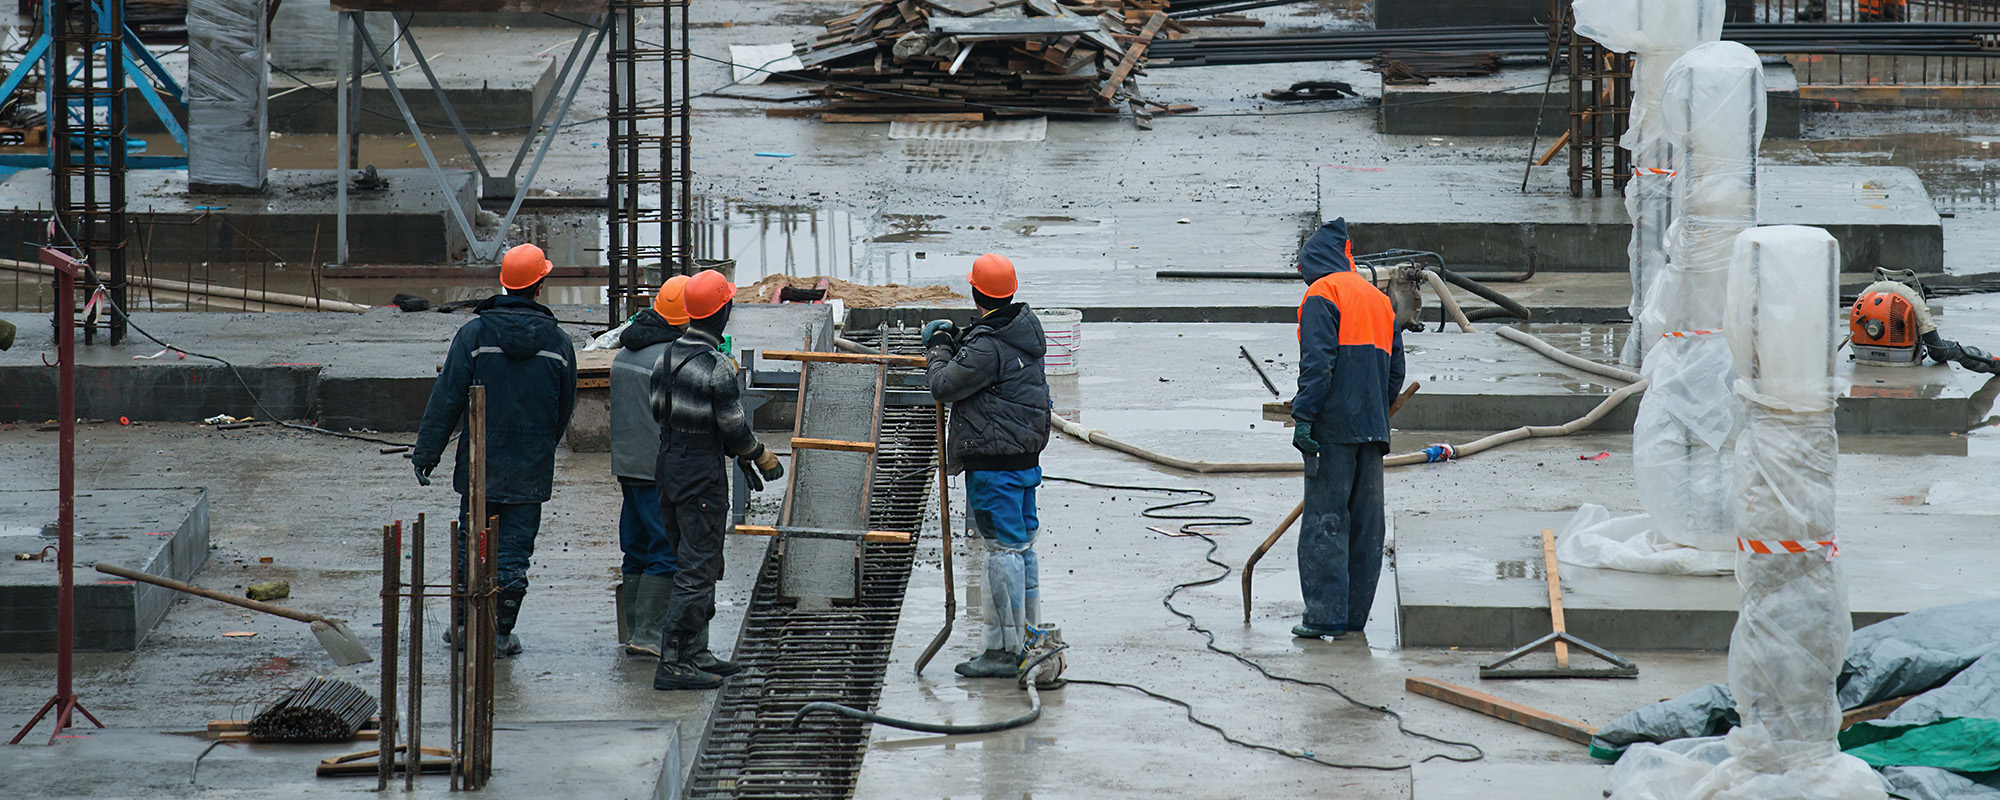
[1679,441]
[1657,32]
[1792,630]
[1012,576]
[228,82]
[1594,538]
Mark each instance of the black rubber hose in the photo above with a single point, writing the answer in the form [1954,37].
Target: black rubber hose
[1486,293]
[1026,682]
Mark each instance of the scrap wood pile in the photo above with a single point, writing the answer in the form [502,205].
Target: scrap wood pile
[898,57]
[798,289]
[1419,66]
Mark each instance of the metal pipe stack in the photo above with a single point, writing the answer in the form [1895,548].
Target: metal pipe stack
[324,710]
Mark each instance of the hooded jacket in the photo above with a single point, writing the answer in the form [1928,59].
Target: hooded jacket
[1350,351]
[998,393]
[529,369]
[635,435]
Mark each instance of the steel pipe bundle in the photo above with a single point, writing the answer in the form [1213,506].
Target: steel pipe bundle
[325,710]
[1961,39]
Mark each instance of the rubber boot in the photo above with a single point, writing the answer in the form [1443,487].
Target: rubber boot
[991,664]
[649,615]
[703,659]
[627,601]
[505,643]
[1304,631]
[677,672]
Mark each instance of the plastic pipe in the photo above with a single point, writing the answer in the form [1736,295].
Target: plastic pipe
[1536,344]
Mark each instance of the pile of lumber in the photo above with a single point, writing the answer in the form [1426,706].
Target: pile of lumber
[896,58]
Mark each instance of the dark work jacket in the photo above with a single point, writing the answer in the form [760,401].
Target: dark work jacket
[998,393]
[529,370]
[1350,352]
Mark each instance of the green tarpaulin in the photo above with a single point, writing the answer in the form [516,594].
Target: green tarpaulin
[1959,744]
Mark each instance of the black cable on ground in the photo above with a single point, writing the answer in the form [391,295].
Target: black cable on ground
[254,399]
[1025,680]
[1222,520]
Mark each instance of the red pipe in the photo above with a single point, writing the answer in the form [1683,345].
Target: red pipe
[65,702]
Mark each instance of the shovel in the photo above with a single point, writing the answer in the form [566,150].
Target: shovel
[944,522]
[332,633]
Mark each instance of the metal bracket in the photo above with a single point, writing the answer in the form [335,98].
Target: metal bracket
[1620,668]
[569,80]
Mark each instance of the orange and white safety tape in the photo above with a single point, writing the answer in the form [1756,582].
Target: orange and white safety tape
[1686,334]
[1638,171]
[1785,547]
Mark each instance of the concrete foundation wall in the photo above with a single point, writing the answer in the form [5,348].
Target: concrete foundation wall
[110,614]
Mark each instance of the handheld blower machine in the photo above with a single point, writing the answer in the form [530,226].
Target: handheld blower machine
[1890,325]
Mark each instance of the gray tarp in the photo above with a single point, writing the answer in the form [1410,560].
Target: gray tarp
[1949,656]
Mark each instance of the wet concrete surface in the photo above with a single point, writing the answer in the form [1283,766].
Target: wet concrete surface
[314,506]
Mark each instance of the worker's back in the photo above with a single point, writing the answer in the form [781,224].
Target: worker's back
[528,366]
[1350,351]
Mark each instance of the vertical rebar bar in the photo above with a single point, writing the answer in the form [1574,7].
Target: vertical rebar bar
[415,717]
[392,592]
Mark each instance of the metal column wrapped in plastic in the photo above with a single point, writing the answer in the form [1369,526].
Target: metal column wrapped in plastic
[227,84]
[1792,630]
[1714,112]
[1658,32]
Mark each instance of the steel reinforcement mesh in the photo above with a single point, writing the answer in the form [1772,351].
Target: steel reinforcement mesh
[794,657]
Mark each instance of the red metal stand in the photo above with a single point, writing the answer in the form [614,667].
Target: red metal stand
[65,702]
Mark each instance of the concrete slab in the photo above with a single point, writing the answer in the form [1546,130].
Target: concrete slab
[1444,780]
[612,759]
[293,222]
[1509,102]
[369,371]
[1476,214]
[1475,580]
[160,531]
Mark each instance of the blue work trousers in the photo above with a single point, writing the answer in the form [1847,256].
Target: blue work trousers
[641,532]
[519,522]
[1340,536]
[1003,511]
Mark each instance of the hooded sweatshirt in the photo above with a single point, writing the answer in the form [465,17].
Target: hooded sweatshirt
[998,393]
[1350,351]
[528,367]
[635,435]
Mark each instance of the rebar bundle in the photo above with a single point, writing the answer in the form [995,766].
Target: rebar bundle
[87,137]
[323,710]
[651,224]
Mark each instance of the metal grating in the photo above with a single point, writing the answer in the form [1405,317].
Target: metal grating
[651,223]
[838,654]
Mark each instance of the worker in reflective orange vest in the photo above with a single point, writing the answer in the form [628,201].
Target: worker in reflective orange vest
[1350,368]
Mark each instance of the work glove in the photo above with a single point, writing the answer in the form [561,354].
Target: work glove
[1302,438]
[750,476]
[767,464]
[941,333]
[424,474]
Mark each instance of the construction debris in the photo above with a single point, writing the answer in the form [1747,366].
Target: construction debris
[324,710]
[1003,57]
[795,289]
[1418,67]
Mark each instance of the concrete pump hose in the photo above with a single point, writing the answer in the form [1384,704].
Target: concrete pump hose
[1509,305]
[1450,303]
[1518,336]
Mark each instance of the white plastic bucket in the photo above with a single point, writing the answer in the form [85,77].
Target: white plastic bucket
[1062,330]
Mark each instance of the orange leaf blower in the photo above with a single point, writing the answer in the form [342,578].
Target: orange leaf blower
[1890,325]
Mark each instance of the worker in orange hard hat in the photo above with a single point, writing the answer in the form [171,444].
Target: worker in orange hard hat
[647,581]
[991,374]
[697,401]
[528,367]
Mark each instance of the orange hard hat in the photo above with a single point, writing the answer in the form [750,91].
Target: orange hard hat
[707,292]
[671,302]
[993,275]
[523,266]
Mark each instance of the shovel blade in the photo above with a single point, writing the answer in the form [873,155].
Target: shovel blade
[340,643]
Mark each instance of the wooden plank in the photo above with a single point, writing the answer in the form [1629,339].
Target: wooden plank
[1550,154]
[1555,595]
[593,383]
[841,358]
[1506,710]
[832,444]
[897,537]
[975,116]
[1013,27]
[1132,54]
[1872,711]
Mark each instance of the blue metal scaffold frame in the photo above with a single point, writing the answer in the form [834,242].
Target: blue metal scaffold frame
[154,84]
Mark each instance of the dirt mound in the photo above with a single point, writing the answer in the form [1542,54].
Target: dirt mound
[855,295]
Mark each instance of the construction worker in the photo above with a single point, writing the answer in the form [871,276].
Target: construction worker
[648,569]
[991,374]
[528,367]
[697,402]
[1350,369]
